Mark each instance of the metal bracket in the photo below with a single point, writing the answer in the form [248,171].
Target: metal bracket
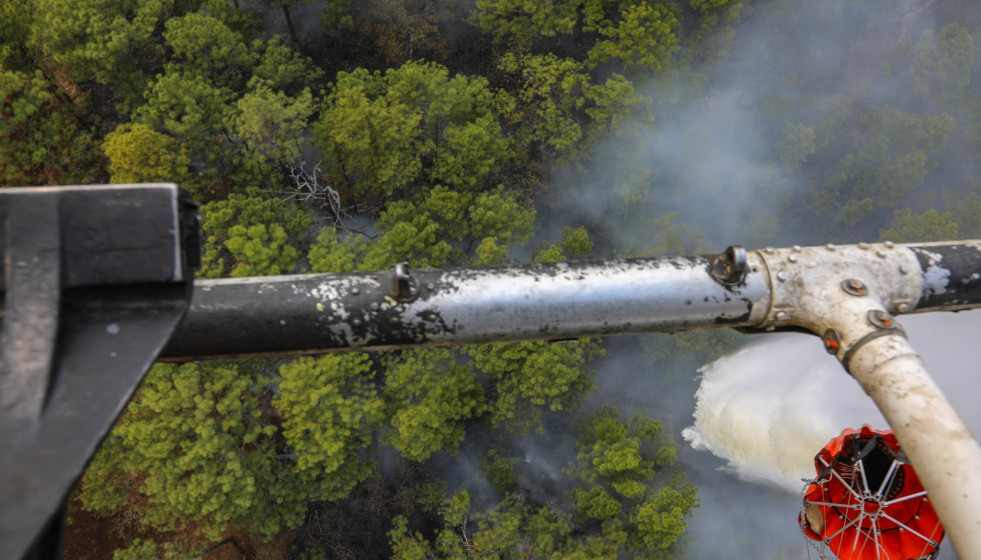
[402,288]
[95,279]
[730,267]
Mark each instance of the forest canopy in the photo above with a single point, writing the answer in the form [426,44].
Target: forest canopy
[344,136]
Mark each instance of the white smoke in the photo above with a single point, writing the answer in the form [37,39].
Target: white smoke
[769,408]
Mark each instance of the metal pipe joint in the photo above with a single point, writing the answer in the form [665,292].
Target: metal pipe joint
[848,296]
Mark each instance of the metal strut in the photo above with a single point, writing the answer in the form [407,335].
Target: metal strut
[851,301]
[95,279]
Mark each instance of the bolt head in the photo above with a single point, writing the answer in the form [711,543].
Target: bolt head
[782,276]
[880,319]
[880,253]
[797,249]
[854,287]
[355,290]
[904,268]
[830,247]
[782,316]
[792,258]
[889,244]
[903,307]
[832,341]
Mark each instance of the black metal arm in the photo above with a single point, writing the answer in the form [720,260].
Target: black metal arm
[94,281]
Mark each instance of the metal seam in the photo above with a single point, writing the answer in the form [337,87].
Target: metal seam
[869,337]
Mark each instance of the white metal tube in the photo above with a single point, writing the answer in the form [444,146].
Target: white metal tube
[940,446]
[847,295]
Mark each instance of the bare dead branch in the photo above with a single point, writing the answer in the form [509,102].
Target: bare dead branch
[313,189]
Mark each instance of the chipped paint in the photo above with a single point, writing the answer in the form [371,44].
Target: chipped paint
[950,274]
[457,306]
[470,305]
[934,274]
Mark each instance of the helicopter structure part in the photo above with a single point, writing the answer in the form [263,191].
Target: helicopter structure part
[320,313]
[95,279]
[851,301]
[324,313]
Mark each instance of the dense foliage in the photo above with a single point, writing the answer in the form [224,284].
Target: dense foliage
[345,136]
